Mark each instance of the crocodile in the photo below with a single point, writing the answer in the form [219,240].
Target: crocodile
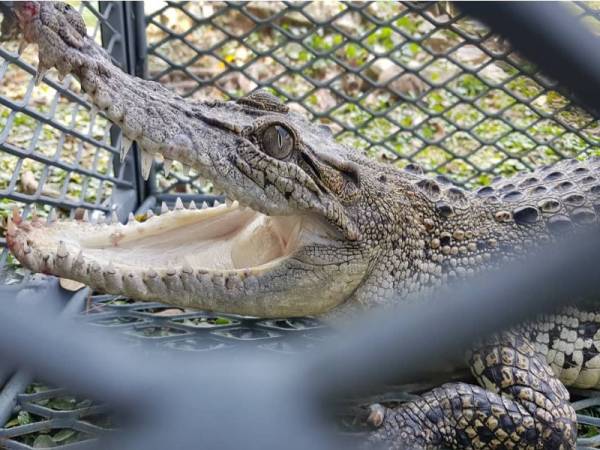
[316,228]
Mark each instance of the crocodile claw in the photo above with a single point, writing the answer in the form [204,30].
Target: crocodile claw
[23,44]
[39,76]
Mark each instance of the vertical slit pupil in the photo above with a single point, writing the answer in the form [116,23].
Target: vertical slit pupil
[279,137]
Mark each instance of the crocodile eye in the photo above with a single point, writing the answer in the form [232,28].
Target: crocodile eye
[277,142]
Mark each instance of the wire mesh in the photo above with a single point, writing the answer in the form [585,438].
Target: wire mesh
[405,82]
[56,149]
[51,417]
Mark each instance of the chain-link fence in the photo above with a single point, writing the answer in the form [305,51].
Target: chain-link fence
[57,151]
[404,82]
[43,416]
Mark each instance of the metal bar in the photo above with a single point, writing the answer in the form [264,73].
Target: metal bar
[122,185]
[8,396]
[47,294]
[135,43]
[116,17]
[549,36]
[5,372]
[95,364]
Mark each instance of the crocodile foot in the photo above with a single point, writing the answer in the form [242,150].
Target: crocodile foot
[522,406]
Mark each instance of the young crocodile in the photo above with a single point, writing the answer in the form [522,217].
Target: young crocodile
[317,228]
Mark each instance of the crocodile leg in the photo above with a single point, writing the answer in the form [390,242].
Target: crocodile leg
[522,406]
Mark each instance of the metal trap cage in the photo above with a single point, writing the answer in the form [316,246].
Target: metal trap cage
[404,82]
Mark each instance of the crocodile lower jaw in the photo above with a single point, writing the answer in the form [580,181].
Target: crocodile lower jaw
[225,238]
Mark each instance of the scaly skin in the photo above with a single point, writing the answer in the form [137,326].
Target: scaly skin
[369,234]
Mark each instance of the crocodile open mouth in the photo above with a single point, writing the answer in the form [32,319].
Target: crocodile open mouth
[226,237]
[227,258]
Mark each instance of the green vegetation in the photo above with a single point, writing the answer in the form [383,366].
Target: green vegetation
[408,71]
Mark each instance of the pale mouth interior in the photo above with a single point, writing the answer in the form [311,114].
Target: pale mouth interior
[219,238]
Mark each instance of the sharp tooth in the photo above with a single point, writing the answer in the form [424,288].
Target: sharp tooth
[187,268]
[186,170]
[113,280]
[204,205]
[164,208]
[228,203]
[16,215]
[146,164]
[114,217]
[47,261]
[34,215]
[133,284]
[22,46]
[179,204]
[26,248]
[167,166]
[235,204]
[149,214]
[52,216]
[216,203]
[130,219]
[86,216]
[40,74]
[62,251]
[125,146]
[96,271]
[170,269]
[151,274]
[192,205]
[10,226]
[79,259]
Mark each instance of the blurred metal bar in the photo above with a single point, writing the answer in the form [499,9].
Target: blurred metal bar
[8,395]
[247,396]
[170,401]
[135,41]
[45,294]
[548,35]
[125,200]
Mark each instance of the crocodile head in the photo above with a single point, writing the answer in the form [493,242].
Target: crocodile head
[309,218]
